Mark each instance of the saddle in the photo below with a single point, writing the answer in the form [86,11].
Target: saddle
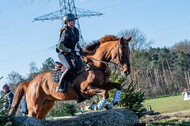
[60,68]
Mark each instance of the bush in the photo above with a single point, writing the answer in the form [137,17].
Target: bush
[116,79]
[130,97]
[5,120]
[65,109]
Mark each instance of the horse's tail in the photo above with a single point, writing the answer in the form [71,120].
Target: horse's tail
[20,91]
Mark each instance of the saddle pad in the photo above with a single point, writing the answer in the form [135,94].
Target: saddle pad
[56,75]
[57,72]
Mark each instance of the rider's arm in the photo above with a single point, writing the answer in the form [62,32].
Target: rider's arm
[64,39]
[77,39]
[78,45]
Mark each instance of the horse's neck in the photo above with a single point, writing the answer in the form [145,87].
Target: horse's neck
[103,53]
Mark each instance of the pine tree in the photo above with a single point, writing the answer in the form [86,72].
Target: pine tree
[131,97]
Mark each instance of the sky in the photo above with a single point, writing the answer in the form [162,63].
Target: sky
[23,41]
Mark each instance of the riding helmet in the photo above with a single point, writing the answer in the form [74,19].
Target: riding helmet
[68,17]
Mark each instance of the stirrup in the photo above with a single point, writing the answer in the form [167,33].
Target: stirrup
[58,88]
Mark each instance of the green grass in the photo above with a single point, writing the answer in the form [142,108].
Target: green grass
[171,122]
[168,104]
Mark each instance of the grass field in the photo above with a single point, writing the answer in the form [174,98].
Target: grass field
[168,104]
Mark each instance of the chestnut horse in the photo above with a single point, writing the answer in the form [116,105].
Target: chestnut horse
[41,93]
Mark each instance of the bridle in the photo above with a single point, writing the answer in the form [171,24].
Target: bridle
[116,55]
[118,58]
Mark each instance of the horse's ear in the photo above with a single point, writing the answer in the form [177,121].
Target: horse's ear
[129,39]
[121,40]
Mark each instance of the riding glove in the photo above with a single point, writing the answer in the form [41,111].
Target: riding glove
[73,52]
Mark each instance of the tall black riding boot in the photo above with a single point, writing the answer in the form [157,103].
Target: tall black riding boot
[62,83]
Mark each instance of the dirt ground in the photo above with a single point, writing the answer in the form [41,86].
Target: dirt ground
[181,115]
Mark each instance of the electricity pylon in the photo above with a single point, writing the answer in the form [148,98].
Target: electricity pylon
[68,6]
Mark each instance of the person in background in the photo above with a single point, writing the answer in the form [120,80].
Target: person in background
[23,106]
[81,109]
[8,95]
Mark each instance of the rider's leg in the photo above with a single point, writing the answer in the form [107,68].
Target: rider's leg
[65,60]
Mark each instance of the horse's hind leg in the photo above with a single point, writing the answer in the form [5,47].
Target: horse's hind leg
[35,99]
[47,105]
[34,109]
[31,114]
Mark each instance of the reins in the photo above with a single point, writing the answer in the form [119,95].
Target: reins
[107,63]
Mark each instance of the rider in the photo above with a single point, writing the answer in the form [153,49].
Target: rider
[69,38]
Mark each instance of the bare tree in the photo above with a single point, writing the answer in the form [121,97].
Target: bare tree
[139,41]
[183,46]
[33,71]
[14,78]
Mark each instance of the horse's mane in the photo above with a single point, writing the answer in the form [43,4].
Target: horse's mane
[92,46]
[108,38]
[96,44]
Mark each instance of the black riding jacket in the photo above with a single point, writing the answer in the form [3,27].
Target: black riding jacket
[69,38]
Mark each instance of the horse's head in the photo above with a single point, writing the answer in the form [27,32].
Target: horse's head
[120,55]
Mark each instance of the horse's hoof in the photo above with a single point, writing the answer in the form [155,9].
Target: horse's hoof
[92,106]
[108,106]
[116,103]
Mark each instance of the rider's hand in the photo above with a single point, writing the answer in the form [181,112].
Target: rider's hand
[73,52]
[81,52]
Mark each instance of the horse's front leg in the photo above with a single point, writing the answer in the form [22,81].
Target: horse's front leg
[110,86]
[101,103]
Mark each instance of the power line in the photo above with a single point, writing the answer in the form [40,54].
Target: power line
[68,6]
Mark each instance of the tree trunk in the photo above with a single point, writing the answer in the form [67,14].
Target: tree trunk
[165,78]
[186,78]
[157,82]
